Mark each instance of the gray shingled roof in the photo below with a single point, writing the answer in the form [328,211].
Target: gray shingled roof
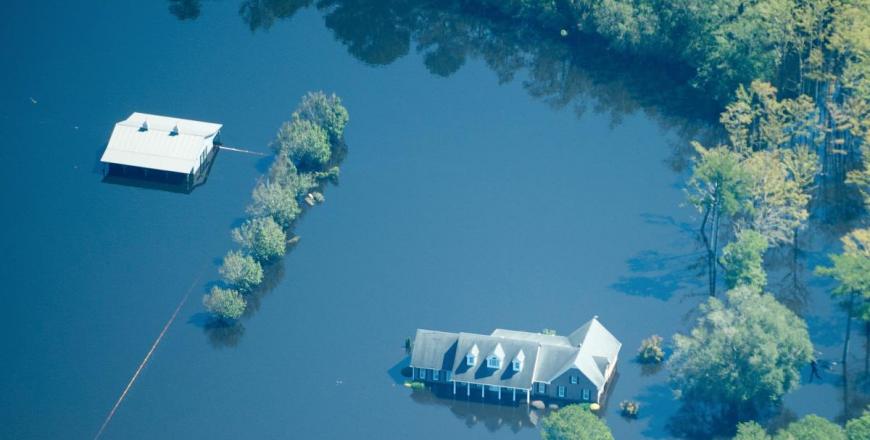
[434,350]
[590,349]
[503,376]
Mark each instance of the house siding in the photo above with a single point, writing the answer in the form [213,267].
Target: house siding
[573,392]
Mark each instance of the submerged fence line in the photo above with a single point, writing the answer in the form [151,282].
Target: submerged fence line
[148,356]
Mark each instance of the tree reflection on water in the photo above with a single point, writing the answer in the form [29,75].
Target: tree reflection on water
[579,73]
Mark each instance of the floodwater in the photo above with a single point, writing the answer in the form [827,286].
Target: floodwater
[496,177]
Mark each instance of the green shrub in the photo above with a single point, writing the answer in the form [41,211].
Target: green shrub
[650,350]
[241,271]
[629,408]
[305,143]
[574,423]
[262,237]
[325,111]
[414,385]
[275,200]
[224,303]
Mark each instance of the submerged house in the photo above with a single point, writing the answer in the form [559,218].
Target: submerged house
[519,364]
[177,149]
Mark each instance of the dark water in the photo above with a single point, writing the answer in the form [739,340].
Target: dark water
[496,178]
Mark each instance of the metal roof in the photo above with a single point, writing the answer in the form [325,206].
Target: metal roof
[590,349]
[160,142]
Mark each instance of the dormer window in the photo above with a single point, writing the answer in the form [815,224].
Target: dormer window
[495,358]
[471,356]
[517,363]
[470,359]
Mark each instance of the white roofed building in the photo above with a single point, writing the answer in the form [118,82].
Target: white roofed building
[162,143]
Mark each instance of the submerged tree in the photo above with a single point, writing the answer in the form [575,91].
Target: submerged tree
[859,427]
[851,270]
[751,431]
[861,176]
[305,143]
[743,260]
[574,423]
[241,271]
[325,111]
[262,237]
[284,173]
[276,201]
[777,206]
[719,189]
[811,427]
[742,356]
[224,303]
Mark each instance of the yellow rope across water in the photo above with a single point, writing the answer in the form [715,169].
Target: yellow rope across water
[147,358]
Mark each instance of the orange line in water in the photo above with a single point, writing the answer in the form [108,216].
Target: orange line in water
[145,361]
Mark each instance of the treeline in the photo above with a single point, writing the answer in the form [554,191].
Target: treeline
[801,46]
[752,192]
[308,150]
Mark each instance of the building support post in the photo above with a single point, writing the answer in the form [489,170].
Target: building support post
[454,387]
[468,389]
[482,391]
[529,396]
[499,393]
[515,394]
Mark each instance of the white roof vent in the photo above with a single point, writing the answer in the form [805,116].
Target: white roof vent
[144,126]
[174,131]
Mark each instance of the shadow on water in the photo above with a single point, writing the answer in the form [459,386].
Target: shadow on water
[660,274]
[185,9]
[473,412]
[142,181]
[220,333]
[228,334]
[578,72]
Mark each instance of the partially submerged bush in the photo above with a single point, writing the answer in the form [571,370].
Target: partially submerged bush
[275,200]
[414,385]
[650,350]
[325,111]
[262,237]
[629,408]
[574,422]
[305,143]
[224,303]
[241,271]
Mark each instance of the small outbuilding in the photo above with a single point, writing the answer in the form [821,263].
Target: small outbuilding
[180,148]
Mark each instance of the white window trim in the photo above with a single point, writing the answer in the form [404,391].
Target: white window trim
[422,373]
[586,393]
[517,365]
[493,362]
[470,360]
[574,380]
[560,391]
[542,388]
[436,374]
